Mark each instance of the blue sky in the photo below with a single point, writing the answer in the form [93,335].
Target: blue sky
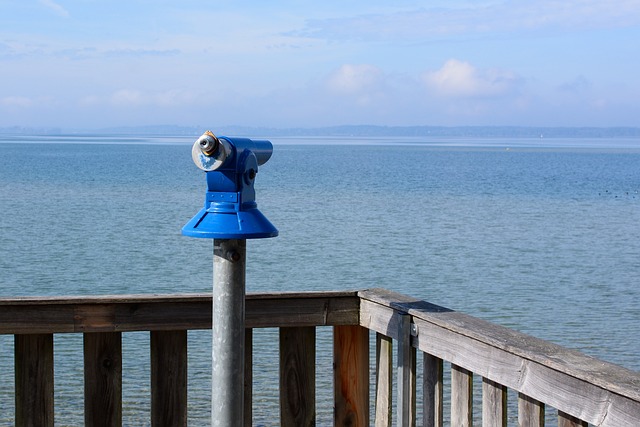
[91,64]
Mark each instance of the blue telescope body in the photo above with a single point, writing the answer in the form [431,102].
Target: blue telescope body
[230,210]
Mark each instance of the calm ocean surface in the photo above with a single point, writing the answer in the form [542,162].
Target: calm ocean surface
[539,235]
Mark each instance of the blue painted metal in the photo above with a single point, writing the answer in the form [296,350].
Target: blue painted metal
[230,209]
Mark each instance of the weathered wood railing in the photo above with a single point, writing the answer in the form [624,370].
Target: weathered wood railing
[582,389]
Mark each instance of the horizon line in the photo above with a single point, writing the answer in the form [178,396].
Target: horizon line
[351,130]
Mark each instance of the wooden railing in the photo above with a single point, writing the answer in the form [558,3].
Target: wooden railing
[544,376]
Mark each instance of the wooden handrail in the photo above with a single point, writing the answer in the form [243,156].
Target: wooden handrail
[594,391]
[126,313]
[582,389]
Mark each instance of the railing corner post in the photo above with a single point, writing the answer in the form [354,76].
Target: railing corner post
[406,373]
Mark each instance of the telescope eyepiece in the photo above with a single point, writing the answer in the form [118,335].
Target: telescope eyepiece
[210,152]
[209,143]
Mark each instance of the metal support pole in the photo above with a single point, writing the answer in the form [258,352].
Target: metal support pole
[229,264]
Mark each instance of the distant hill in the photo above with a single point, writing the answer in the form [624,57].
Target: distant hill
[351,131]
[457,131]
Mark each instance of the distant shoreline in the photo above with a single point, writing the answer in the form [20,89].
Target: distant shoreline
[346,131]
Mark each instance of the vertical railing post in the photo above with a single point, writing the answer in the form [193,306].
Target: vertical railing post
[34,379]
[103,379]
[432,385]
[406,374]
[384,380]
[248,377]
[566,420]
[169,378]
[530,411]
[494,404]
[351,376]
[227,397]
[461,397]
[298,376]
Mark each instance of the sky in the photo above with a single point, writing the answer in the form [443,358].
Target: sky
[91,64]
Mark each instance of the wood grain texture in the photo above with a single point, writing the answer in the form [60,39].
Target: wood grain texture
[248,377]
[494,404]
[530,412]
[606,375]
[432,398]
[384,381]
[34,380]
[168,378]
[461,397]
[586,388]
[406,374]
[413,384]
[298,377]
[565,420]
[170,312]
[103,379]
[351,376]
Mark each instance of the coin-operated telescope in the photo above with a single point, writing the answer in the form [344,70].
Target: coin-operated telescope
[230,216]
[230,210]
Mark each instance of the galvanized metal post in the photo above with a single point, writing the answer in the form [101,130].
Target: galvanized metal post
[229,266]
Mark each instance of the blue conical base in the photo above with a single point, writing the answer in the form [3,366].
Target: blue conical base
[248,224]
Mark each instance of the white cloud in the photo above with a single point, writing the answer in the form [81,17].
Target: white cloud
[459,79]
[578,85]
[55,7]
[16,102]
[599,104]
[360,85]
[350,79]
[475,18]
[140,52]
[90,101]
[124,97]
[134,97]
[174,97]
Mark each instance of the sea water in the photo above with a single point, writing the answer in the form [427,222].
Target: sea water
[539,235]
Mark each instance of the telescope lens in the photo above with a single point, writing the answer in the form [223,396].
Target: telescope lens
[209,153]
[208,144]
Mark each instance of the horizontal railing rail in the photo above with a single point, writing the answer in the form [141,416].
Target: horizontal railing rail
[582,389]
